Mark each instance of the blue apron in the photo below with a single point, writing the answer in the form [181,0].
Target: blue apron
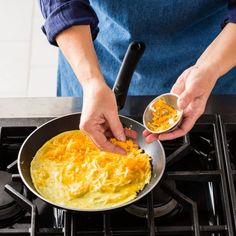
[176,32]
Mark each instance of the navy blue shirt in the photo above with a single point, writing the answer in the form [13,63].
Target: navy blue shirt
[61,14]
[176,32]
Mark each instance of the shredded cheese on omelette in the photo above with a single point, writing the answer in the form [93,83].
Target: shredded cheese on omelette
[71,171]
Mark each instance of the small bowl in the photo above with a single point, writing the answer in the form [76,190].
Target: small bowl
[169,99]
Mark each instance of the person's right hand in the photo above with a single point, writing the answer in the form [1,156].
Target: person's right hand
[99,119]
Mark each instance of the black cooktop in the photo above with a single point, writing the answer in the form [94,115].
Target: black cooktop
[195,197]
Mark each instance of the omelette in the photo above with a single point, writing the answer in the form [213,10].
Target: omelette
[69,170]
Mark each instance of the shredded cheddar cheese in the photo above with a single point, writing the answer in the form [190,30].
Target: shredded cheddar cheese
[71,171]
[163,116]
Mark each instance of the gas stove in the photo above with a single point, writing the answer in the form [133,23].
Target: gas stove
[196,195]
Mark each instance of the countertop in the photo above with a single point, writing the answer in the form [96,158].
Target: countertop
[58,106]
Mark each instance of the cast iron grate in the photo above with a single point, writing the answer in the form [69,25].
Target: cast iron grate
[194,164]
[228,131]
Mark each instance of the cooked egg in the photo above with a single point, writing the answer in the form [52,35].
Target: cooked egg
[71,171]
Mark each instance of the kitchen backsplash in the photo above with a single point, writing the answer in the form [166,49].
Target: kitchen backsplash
[27,61]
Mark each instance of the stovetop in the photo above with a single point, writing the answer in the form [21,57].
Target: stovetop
[195,197]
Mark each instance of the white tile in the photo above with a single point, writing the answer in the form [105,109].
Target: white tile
[27,61]
[16,19]
[42,82]
[43,54]
[14,62]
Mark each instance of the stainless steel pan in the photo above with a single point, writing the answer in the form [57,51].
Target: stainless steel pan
[71,122]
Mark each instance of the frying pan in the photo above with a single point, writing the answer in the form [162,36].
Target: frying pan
[71,122]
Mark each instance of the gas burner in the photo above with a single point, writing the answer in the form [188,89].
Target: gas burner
[197,200]
[10,211]
[169,208]
[164,204]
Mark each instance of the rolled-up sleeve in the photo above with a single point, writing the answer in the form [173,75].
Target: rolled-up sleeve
[62,14]
[231,16]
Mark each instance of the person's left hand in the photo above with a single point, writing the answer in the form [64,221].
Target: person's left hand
[193,86]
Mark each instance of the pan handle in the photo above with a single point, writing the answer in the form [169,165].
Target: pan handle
[121,86]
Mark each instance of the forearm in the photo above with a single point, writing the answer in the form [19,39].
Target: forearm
[77,46]
[220,56]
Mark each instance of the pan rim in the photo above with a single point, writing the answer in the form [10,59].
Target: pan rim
[35,192]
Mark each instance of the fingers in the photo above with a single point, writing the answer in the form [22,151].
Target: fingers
[191,115]
[185,127]
[99,119]
[103,143]
[193,86]
[179,85]
[185,99]
[187,88]
[151,138]
[116,126]
[96,129]
[130,133]
[100,131]
[146,133]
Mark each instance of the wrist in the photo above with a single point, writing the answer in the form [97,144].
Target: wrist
[212,70]
[93,83]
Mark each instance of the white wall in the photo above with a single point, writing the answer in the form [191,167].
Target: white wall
[28,63]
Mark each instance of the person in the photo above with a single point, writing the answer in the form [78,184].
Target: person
[190,50]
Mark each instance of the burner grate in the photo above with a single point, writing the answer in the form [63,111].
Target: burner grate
[10,143]
[228,131]
[195,166]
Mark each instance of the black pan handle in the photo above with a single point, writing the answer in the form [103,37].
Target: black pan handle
[131,59]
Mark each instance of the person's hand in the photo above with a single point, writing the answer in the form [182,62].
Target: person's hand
[193,86]
[99,119]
